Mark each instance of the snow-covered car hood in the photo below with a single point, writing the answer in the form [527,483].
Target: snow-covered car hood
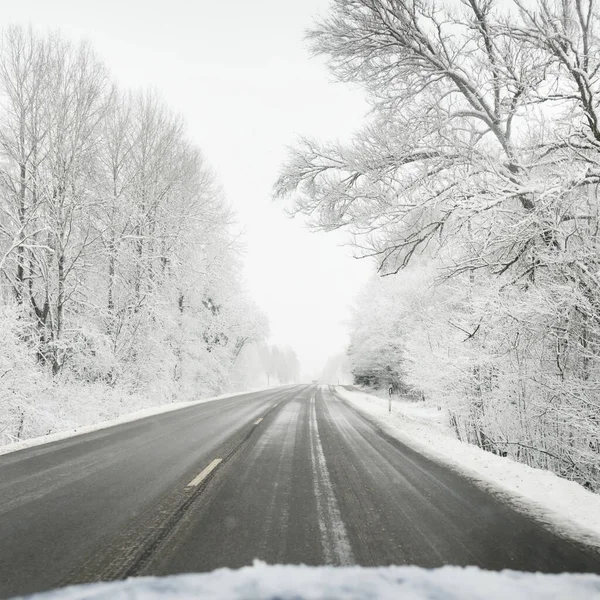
[264,582]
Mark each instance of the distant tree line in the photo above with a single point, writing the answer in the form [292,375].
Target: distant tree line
[281,365]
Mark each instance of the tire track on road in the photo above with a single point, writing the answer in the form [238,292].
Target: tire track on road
[336,545]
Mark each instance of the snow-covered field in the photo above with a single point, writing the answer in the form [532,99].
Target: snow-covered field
[263,582]
[564,505]
[140,414]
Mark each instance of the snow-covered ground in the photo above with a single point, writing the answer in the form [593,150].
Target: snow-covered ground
[134,416]
[263,582]
[563,505]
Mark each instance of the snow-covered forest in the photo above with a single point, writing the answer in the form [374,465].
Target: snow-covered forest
[120,267]
[474,186]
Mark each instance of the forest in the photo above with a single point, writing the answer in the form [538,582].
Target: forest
[120,258]
[473,185]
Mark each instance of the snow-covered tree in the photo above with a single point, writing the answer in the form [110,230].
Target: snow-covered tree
[119,255]
[479,157]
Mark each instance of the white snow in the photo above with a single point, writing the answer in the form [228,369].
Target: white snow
[288,582]
[140,414]
[563,505]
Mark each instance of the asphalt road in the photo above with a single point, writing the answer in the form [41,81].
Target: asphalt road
[292,475]
[64,501]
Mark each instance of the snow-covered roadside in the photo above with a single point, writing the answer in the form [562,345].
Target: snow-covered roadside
[563,505]
[126,418]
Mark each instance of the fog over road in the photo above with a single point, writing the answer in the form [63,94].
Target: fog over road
[290,475]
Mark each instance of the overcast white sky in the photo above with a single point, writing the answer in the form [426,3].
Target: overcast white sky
[241,75]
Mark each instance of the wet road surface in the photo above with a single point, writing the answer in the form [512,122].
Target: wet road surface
[292,475]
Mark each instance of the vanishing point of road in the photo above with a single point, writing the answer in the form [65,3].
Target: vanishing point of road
[288,475]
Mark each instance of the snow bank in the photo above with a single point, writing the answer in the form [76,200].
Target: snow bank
[563,505]
[126,418]
[263,582]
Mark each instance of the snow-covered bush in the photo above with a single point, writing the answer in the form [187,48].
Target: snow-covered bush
[22,382]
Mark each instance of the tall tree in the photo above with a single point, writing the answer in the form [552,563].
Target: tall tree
[480,156]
